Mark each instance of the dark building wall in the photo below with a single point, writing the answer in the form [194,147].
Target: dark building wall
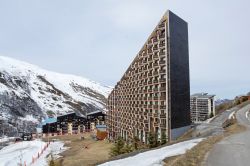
[179,71]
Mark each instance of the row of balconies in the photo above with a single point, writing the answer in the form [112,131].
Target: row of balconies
[135,96]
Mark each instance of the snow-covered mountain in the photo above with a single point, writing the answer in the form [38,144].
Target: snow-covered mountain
[221,101]
[29,93]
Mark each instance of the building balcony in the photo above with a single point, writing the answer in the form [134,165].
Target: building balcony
[155,56]
[156,81]
[156,125]
[161,25]
[163,97]
[163,126]
[155,48]
[155,97]
[156,106]
[155,64]
[156,89]
[162,36]
[163,116]
[162,62]
[161,45]
[155,73]
[162,53]
[162,71]
[163,107]
[163,89]
[162,80]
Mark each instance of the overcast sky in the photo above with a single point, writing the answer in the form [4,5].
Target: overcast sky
[98,39]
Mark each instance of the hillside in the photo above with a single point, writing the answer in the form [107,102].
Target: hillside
[29,94]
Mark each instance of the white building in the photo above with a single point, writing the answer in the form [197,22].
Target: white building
[202,107]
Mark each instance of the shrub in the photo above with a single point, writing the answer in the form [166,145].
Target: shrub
[163,138]
[118,148]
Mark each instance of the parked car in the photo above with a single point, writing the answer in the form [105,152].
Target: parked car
[27,136]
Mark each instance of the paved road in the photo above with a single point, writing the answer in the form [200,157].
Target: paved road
[234,150]
[215,126]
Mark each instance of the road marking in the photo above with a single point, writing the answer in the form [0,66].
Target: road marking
[247,115]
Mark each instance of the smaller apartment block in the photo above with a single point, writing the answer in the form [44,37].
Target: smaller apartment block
[72,123]
[202,107]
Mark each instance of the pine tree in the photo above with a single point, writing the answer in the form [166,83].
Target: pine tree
[127,149]
[163,138]
[117,149]
[152,140]
[136,142]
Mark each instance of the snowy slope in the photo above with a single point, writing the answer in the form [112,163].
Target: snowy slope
[23,152]
[155,157]
[46,92]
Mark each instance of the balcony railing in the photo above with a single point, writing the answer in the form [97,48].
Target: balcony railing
[155,64]
[154,39]
[162,79]
[163,107]
[161,45]
[162,36]
[162,53]
[162,71]
[163,97]
[163,89]
[155,56]
[163,116]
[156,89]
[162,25]
[162,62]
[156,81]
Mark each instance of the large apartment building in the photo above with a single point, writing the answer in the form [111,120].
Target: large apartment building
[202,107]
[154,93]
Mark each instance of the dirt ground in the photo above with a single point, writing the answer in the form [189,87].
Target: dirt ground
[83,152]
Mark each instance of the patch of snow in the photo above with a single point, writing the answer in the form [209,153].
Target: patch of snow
[209,120]
[155,157]
[30,118]
[231,116]
[21,152]
[5,139]
[247,113]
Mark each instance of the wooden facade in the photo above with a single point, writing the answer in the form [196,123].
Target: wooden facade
[73,123]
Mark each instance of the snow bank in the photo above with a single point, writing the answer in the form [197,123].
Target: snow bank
[24,151]
[6,139]
[231,116]
[155,157]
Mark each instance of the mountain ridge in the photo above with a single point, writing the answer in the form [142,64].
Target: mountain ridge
[30,93]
